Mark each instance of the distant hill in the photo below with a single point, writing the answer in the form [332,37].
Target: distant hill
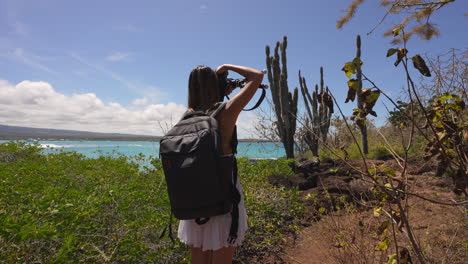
[15,132]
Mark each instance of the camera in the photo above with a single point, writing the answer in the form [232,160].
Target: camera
[226,83]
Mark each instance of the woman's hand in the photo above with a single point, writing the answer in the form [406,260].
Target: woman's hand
[221,68]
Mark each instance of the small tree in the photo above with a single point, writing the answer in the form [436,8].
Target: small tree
[366,98]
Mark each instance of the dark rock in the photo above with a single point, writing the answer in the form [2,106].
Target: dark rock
[303,183]
[426,167]
[328,160]
[352,188]
[301,180]
[385,157]
[307,166]
[298,181]
[302,175]
[279,180]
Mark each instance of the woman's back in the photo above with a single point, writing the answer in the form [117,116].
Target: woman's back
[209,241]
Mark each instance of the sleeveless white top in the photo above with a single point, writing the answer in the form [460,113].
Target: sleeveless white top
[214,234]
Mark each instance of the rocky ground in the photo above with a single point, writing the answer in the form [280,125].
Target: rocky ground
[341,227]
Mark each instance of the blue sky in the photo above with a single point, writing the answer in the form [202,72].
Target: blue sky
[130,60]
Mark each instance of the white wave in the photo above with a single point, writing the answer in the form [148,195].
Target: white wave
[45,145]
[51,146]
[86,146]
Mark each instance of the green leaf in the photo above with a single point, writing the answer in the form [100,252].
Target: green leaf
[353,86]
[357,62]
[349,68]
[377,211]
[356,113]
[383,245]
[451,153]
[444,98]
[389,171]
[373,96]
[390,52]
[396,31]
[392,259]
[369,99]
[420,64]
[322,210]
[400,55]
[453,106]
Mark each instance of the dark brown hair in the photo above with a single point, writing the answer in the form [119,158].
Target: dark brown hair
[203,91]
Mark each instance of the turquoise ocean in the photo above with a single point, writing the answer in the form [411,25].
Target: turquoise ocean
[94,149]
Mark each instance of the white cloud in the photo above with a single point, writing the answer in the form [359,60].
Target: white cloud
[37,104]
[140,101]
[154,94]
[118,56]
[203,7]
[246,125]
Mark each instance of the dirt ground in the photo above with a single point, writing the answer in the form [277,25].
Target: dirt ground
[351,234]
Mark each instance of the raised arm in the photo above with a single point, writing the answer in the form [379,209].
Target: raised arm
[235,105]
[228,117]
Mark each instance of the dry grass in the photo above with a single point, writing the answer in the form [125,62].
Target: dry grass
[351,236]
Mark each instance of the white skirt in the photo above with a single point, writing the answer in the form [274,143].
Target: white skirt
[214,234]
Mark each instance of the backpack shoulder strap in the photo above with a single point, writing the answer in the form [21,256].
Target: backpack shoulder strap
[220,107]
[191,114]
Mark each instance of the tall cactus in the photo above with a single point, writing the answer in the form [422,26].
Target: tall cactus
[285,103]
[318,121]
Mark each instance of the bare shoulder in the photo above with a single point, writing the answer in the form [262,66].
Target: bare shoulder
[226,121]
[226,129]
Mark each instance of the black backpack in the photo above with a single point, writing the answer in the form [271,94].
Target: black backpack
[201,181]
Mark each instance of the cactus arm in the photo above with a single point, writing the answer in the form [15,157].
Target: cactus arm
[305,94]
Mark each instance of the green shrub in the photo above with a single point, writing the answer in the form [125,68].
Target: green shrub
[417,148]
[65,208]
[378,152]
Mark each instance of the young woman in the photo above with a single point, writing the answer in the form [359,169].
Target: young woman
[209,242]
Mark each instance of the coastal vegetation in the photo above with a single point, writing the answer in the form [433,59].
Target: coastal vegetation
[66,208]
